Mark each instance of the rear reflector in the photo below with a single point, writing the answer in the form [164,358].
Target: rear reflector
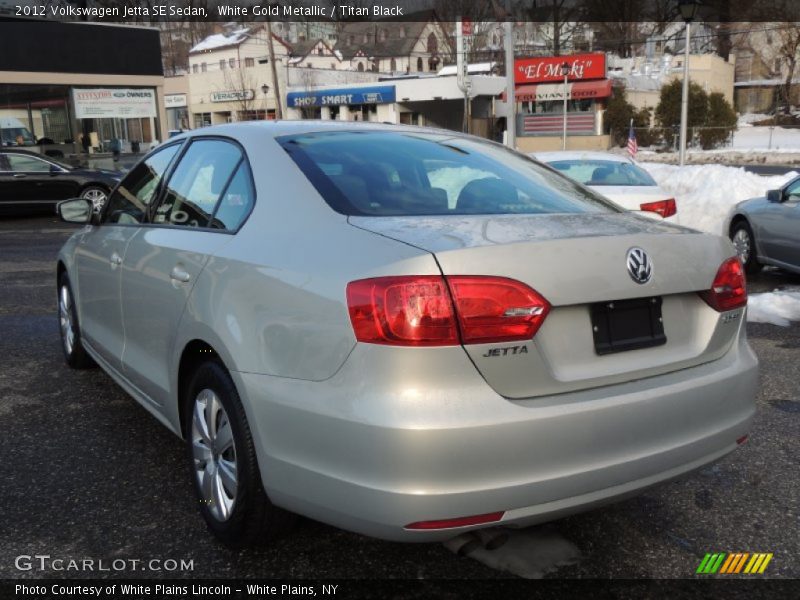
[430,310]
[665,208]
[459,522]
[742,440]
[729,290]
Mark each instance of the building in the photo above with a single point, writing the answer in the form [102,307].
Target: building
[61,83]
[420,46]
[230,78]
[540,92]
[425,99]
[176,102]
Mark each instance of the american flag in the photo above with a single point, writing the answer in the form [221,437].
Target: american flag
[633,147]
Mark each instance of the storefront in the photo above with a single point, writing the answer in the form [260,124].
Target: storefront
[70,87]
[540,91]
[347,104]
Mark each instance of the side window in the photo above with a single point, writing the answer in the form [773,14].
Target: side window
[28,164]
[236,202]
[197,183]
[128,204]
[792,193]
[4,163]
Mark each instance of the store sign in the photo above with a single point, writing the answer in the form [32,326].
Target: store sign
[114,103]
[232,96]
[379,94]
[548,68]
[175,100]
[580,90]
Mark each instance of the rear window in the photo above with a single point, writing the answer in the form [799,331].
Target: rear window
[384,173]
[604,172]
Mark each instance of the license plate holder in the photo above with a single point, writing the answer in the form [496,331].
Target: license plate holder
[623,325]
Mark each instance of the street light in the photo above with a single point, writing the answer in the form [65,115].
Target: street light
[265,89]
[688,10]
[565,69]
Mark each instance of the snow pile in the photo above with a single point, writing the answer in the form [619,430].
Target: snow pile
[781,139]
[778,308]
[706,193]
[220,40]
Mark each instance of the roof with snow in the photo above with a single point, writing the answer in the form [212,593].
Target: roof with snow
[484,67]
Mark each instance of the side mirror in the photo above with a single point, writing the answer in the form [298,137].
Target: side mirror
[77,210]
[774,196]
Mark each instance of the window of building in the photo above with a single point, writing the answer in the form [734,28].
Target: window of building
[195,68]
[321,51]
[249,62]
[232,63]
[202,120]
[203,67]
[366,38]
[308,65]
[433,44]
[197,183]
[129,202]
[360,66]
[333,65]
[393,65]
[419,64]
[222,65]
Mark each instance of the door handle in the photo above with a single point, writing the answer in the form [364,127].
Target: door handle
[116,260]
[19,175]
[178,274]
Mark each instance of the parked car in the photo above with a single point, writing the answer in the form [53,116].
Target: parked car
[616,177]
[14,133]
[402,331]
[29,180]
[766,230]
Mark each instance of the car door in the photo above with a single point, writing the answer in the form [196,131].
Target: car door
[40,181]
[13,188]
[100,254]
[165,260]
[778,226]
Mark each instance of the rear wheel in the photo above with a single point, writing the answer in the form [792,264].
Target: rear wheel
[223,463]
[744,242]
[71,343]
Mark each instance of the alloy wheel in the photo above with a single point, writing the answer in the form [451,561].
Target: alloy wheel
[65,319]
[741,241]
[214,454]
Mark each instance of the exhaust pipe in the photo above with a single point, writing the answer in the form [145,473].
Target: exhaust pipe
[466,543]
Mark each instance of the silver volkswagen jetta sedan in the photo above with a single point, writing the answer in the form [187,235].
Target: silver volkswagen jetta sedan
[403,332]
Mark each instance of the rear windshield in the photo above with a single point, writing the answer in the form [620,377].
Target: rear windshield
[383,173]
[604,172]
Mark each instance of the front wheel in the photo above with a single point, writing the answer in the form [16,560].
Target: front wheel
[223,463]
[744,242]
[96,195]
[71,343]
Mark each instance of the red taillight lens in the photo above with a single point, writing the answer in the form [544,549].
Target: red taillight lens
[729,289]
[402,311]
[419,310]
[666,208]
[496,309]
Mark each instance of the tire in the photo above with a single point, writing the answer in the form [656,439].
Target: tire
[69,327]
[235,508]
[745,244]
[97,194]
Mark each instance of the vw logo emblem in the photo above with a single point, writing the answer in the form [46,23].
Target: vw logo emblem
[640,267]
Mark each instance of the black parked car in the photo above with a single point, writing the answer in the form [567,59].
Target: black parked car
[31,181]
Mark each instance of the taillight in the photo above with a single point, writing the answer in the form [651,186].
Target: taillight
[729,289]
[402,311]
[496,309]
[430,310]
[665,208]
[459,522]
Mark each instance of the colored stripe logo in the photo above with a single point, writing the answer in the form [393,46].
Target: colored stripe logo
[734,562]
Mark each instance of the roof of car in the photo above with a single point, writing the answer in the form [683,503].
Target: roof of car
[549,157]
[295,127]
[15,150]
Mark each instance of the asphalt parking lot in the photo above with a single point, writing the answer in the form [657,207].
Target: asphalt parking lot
[86,472]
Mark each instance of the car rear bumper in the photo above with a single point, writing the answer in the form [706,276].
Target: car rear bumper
[375,448]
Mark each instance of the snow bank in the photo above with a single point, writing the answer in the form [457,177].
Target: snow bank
[751,138]
[778,308]
[706,193]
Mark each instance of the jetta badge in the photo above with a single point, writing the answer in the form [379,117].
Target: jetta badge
[640,268]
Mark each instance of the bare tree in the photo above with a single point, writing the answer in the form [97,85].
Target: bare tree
[241,82]
[788,48]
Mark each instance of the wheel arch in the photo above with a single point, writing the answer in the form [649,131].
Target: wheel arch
[194,353]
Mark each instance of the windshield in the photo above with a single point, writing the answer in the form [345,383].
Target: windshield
[16,136]
[604,172]
[383,173]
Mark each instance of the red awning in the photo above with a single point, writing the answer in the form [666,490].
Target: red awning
[551,92]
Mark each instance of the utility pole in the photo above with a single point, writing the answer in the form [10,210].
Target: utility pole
[511,102]
[275,86]
[462,67]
